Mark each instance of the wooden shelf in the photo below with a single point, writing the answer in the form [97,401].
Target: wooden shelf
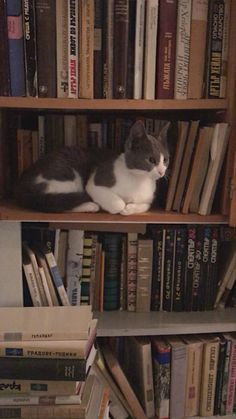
[111,104]
[11,212]
[123,323]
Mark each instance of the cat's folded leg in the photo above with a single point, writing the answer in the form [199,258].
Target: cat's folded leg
[134,208]
[86,207]
[107,199]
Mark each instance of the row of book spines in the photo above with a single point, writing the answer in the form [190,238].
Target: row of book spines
[68,83]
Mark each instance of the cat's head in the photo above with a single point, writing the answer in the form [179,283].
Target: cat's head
[146,154]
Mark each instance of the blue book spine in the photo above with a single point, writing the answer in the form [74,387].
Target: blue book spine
[16,49]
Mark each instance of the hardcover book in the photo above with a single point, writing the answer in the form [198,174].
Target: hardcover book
[62,22]
[29,34]
[151,24]
[121,33]
[139,49]
[86,61]
[4,57]
[144,275]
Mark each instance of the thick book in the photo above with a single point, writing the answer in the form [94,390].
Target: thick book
[191,252]
[158,254]
[232,376]
[31,279]
[38,275]
[161,353]
[166,49]
[139,370]
[74,263]
[98,53]
[47,323]
[213,270]
[179,269]
[197,270]
[220,374]
[46,47]
[107,49]
[144,274]
[37,387]
[139,49]
[197,48]
[225,49]
[182,49]
[169,265]
[86,47]
[62,22]
[16,47]
[151,24]
[218,150]
[74,15]
[30,54]
[132,252]
[4,57]
[226,372]
[27,400]
[112,247]
[121,33]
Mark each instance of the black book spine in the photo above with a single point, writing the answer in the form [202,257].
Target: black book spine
[121,35]
[4,58]
[191,245]
[157,270]
[179,271]
[212,272]
[197,270]
[205,267]
[29,25]
[112,245]
[219,377]
[168,269]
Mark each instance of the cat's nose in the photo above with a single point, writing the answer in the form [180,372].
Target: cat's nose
[161,173]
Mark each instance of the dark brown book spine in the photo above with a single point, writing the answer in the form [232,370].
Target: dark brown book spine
[131,49]
[166,43]
[4,60]
[98,64]
[29,25]
[121,35]
[46,47]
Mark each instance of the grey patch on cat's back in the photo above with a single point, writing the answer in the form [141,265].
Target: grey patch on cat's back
[104,174]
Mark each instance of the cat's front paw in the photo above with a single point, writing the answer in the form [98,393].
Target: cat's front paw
[87,207]
[115,206]
[135,209]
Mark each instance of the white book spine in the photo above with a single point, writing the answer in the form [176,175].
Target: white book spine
[45,287]
[182,49]
[39,400]
[74,265]
[150,49]
[62,47]
[139,49]
[32,284]
[73,42]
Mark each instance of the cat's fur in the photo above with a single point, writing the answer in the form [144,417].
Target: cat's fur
[84,181]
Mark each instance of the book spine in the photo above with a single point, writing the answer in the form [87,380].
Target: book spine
[39,400]
[16,47]
[225,49]
[132,251]
[210,361]
[46,47]
[29,23]
[112,246]
[223,399]
[215,43]
[156,269]
[161,377]
[74,265]
[86,79]
[178,381]
[56,276]
[41,411]
[144,275]
[35,387]
[197,271]
[86,269]
[179,270]
[131,49]
[168,270]
[73,49]
[4,58]
[139,49]
[197,48]
[151,23]
[98,65]
[166,48]
[193,381]
[219,378]
[231,380]
[205,267]
[182,49]
[121,33]
[213,268]
[191,246]
[108,42]
[62,21]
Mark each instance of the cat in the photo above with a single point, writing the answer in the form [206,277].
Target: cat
[79,180]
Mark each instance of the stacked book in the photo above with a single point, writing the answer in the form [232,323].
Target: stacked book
[46,356]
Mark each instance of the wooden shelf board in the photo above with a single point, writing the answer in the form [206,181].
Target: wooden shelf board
[11,212]
[110,104]
[123,323]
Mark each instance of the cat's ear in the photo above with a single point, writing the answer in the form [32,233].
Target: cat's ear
[162,136]
[136,135]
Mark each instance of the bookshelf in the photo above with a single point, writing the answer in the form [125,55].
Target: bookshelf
[120,323]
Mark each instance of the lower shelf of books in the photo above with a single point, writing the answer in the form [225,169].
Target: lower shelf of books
[123,323]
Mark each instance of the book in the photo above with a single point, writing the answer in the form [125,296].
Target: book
[225,49]
[218,150]
[62,21]
[197,50]
[179,270]
[197,279]
[178,376]
[73,48]
[40,400]
[86,268]
[139,49]
[199,168]
[30,54]
[211,283]
[131,49]
[209,370]
[31,279]
[38,274]
[161,352]
[158,254]
[107,45]
[151,24]
[226,371]
[51,323]
[46,47]
[220,374]
[169,264]
[37,388]
[227,274]
[4,57]
[144,274]
[120,55]
[183,127]
[122,381]
[232,375]
[182,49]
[86,71]
[11,277]
[138,368]
[194,369]
[166,48]
[74,265]
[191,254]
[98,53]
[16,47]
[186,164]
[132,251]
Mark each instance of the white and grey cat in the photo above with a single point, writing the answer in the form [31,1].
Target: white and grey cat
[86,180]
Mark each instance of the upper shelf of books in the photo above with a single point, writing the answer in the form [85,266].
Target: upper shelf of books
[111,104]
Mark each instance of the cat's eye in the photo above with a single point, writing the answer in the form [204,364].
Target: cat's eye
[166,160]
[152,160]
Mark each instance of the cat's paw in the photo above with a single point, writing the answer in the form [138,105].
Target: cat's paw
[87,207]
[134,209]
[115,206]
